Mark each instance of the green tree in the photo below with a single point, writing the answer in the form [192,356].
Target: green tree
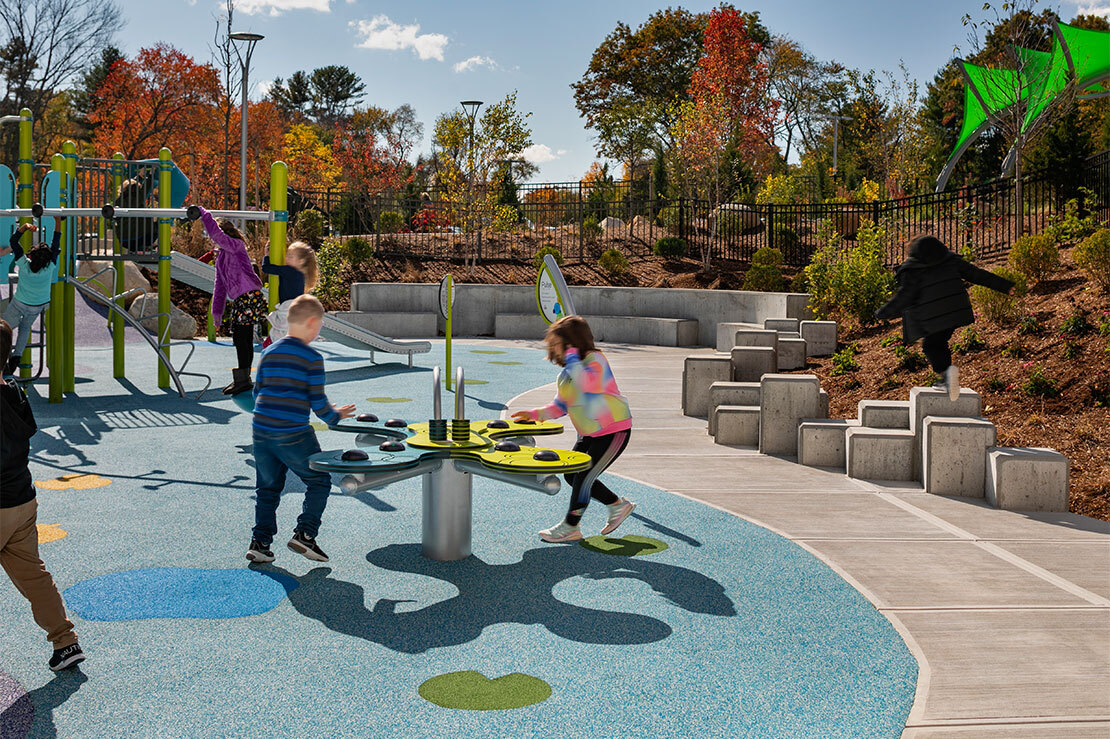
[293,97]
[336,90]
[84,94]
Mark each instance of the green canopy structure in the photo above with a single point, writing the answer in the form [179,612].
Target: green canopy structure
[1079,62]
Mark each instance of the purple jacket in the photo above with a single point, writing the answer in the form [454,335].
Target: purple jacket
[235,274]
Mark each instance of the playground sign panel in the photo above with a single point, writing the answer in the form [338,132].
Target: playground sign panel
[552,294]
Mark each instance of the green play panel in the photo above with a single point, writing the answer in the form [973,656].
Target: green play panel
[626,546]
[473,691]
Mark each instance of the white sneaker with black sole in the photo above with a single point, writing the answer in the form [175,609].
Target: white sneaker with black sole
[66,657]
[306,546]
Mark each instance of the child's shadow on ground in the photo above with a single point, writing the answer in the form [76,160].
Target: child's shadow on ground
[32,715]
[491,594]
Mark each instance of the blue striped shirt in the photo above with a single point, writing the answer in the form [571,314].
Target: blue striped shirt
[289,382]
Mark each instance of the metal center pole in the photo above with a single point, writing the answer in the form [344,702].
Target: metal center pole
[446,515]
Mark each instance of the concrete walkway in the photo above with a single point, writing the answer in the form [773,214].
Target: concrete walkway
[1008,614]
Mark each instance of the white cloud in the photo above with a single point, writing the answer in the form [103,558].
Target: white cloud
[540,153]
[264,87]
[1091,9]
[277,7]
[474,62]
[382,33]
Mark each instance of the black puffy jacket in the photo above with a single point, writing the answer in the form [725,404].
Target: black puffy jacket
[931,293]
[17,426]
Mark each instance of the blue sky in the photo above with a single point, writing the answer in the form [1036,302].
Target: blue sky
[435,53]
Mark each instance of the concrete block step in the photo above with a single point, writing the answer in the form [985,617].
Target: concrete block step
[750,363]
[781,324]
[822,442]
[785,400]
[699,372]
[884,414]
[820,337]
[1027,479]
[791,353]
[726,334]
[927,401]
[879,454]
[954,455]
[730,393]
[737,425]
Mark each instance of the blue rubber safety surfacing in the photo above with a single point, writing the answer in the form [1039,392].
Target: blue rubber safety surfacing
[167,592]
[730,631]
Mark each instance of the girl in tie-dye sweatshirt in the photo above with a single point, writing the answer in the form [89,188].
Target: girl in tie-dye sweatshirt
[588,393]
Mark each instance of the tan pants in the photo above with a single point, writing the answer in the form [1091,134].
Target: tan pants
[19,556]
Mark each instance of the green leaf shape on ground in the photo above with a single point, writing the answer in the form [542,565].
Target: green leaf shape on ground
[473,691]
[506,363]
[387,399]
[626,546]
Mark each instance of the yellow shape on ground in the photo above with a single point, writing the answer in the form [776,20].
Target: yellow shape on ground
[49,532]
[76,481]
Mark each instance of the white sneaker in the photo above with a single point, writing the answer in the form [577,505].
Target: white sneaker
[561,533]
[952,380]
[617,513]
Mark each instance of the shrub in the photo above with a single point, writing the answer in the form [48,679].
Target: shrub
[995,306]
[311,227]
[1036,257]
[670,216]
[391,222]
[1104,324]
[1016,349]
[1041,385]
[1070,227]
[544,251]
[1093,257]
[784,237]
[670,247]
[851,279]
[910,360]
[1029,326]
[765,274]
[995,384]
[1099,388]
[590,228]
[1072,349]
[613,262]
[970,341]
[890,382]
[1076,324]
[331,262]
[799,283]
[844,361]
[359,250]
[890,341]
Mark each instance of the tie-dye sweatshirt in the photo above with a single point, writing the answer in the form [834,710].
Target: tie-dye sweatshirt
[588,393]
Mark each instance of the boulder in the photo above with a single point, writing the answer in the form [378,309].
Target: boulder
[609,222]
[641,223]
[736,215]
[182,325]
[105,283]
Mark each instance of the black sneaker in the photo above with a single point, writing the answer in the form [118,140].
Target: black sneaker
[258,552]
[305,545]
[66,657]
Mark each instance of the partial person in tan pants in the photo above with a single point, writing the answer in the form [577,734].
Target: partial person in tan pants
[19,538]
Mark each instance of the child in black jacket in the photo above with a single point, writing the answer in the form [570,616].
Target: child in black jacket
[933,301]
[19,539]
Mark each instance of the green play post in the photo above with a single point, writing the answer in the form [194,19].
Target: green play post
[118,364]
[25,198]
[447,328]
[56,355]
[164,236]
[279,181]
[67,265]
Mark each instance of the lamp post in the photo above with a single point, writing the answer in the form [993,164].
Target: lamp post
[251,39]
[470,108]
[836,119]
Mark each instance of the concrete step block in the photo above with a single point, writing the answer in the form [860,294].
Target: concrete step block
[781,324]
[730,393]
[737,425]
[822,443]
[954,455]
[1027,479]
[927,401]
[699,372]
[820,337]
[784,400]
[884,414]
[726,334]
[750,363]
[879,454]
[789,334]
[756,337]
[822,404]
[792,353]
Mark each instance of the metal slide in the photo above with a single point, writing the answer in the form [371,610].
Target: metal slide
[110,302]
[197,274]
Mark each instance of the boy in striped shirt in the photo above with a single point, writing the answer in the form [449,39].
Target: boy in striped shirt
[290,382]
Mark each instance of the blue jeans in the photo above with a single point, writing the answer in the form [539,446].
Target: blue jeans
[274,454]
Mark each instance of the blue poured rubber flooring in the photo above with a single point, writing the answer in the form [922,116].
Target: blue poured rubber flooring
[731,631]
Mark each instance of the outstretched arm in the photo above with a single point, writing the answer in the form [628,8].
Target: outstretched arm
[979,276]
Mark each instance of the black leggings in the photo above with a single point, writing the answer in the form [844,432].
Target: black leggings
[936,350]
[603,450]
[242,335]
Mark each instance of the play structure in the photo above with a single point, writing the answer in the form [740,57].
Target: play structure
[102,202]
[1078,63]
[447,454]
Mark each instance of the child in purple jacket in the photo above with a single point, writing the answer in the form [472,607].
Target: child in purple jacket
[239,290]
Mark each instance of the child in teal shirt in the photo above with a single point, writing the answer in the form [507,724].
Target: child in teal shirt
[36,274]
